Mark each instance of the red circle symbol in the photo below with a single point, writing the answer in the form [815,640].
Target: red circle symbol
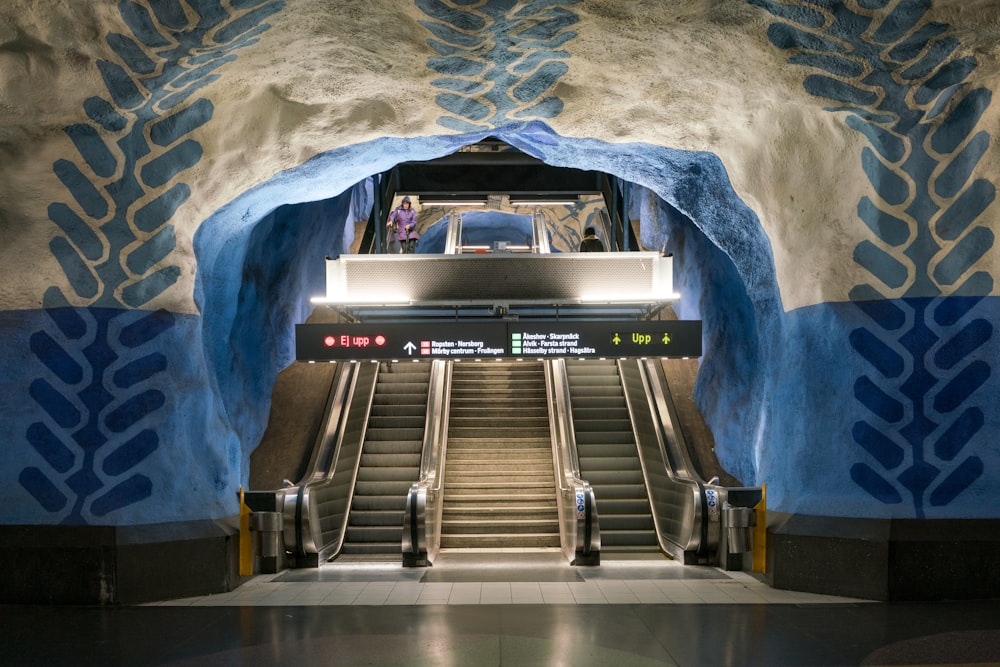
[380,340]
[329,341]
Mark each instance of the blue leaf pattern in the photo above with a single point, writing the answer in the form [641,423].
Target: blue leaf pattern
[114,243]
[893,73]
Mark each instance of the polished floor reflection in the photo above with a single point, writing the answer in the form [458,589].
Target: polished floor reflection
[513,610]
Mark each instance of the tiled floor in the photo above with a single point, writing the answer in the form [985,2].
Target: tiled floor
[471,578]
[506,609]
[518,609]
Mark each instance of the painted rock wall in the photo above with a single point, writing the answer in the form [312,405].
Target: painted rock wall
[174,171]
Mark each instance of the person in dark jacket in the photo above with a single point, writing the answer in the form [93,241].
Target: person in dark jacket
[403,227]
[590,242]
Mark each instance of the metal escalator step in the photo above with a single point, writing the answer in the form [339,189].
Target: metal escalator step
[610,463]
[616,506]
[396,460]
[387,474]
[583,415]
[627,522]
[365,503]
[396,421]
[604,448]
[357,534]
[360,517]
[599,478]
[372,548]
[394,433]
[623,491]
[387,399]
[608,391]
[397,387]
[610,437]
[627,538]
[393,447]
[397,409]
[383,488]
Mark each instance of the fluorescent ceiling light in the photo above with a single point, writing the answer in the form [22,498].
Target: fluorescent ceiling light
[628,298]
[452,202]
[543,202]
[360,301]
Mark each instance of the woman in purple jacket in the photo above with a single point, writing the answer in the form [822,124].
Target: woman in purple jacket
[403,227]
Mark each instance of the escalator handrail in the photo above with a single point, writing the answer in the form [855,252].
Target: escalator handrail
[540,238]
[321,461]
[307,523]
[663,404]
[453,239]
[422,516]
[690,489]
[579,525]
[332,431]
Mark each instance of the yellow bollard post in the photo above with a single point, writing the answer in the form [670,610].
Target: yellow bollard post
[760,533]
[246,539]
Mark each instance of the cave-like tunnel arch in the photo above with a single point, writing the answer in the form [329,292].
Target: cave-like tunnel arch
[260,259]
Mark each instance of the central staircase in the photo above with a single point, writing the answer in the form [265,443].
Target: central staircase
[499,489]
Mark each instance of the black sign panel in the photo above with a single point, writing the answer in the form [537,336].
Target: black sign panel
[669,338]
[423,340]
[500,338]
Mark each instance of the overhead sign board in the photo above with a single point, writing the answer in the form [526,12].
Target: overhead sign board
[500,338]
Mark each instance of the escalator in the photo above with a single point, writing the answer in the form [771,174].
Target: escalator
[390,460]
[493,455]
[365,456]
[606,448]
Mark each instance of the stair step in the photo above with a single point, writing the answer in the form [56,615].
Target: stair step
[496,526]
[510,541]
[504,486]
[495,513]
[498,443]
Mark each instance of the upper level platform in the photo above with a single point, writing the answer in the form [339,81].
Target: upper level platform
[561,285]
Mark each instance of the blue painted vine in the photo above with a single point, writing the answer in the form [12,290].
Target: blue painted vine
[114,242]
[499,59]
[900,79]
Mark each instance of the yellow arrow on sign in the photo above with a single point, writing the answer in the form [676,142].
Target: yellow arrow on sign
[666,338]
[616,339]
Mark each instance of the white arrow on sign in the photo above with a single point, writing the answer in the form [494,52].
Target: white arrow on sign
[409,347]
